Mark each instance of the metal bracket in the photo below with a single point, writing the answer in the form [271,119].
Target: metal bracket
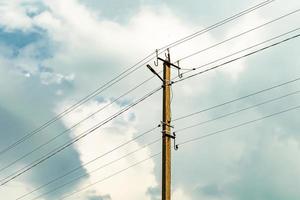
[156,63]
[154,72]
[169,136]
[166,124]
[167,54]
[179,74]
[171,64]
[172,137]
[175,145]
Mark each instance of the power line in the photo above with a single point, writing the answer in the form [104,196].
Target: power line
[99,90]
[238,125]
[238,58]
[281,111]
[82,135]
[66,112]
[89,162]
[76,124]
[79,137]
[214,26]
[218,24]
[135,67]
[238,111]
[93,171]
[238,99]
[240,34]
[110,176]
[189,70]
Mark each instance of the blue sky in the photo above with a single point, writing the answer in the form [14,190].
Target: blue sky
[52,53]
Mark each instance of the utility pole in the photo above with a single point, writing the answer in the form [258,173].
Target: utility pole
[166,123]
[166,132]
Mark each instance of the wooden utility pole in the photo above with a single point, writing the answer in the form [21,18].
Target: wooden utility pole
[166,132]
[166,123]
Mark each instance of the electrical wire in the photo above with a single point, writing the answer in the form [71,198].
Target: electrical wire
[89,162]
[180,144]
[76,124]
[14,162]
[240,34]
[238,99]
[238,111]
[79,137]
[108,84]
[275,44]
[235,53]
[134,68]
[236,59]
[110,176]
[216,25]
[96,92]
[238,125]
[93,171]
[267,1]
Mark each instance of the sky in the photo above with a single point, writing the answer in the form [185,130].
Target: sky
[53,53]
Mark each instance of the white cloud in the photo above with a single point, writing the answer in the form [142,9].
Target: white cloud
[180,194]
[52,78]
[14,189]
[14,15]
[91,48]
[103,140]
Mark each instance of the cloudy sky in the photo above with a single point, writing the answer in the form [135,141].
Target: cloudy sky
[53,53]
